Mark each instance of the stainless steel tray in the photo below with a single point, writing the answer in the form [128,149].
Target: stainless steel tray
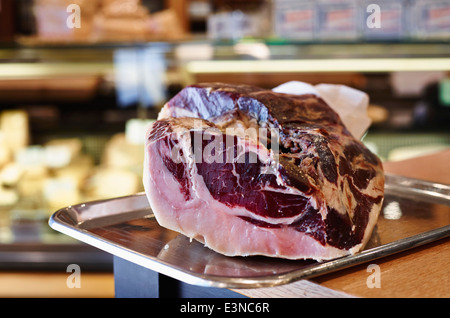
[414,213]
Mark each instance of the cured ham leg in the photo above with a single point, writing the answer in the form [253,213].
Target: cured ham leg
[248,171]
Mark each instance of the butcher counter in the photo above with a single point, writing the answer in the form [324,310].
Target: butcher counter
[418,272]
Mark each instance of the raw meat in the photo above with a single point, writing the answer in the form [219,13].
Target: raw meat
[248,171]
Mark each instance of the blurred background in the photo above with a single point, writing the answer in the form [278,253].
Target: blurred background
[79,84]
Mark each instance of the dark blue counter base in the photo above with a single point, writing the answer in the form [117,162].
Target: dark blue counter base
[134,281]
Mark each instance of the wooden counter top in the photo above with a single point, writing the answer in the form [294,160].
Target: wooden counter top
[419,272]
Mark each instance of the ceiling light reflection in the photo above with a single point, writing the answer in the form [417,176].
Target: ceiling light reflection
[319,65]
[392,211]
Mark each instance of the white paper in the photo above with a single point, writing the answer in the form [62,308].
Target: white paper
[350,104]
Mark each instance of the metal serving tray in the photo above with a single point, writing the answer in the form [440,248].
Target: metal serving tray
[414,213]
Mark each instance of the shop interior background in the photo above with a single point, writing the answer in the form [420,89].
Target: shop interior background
[80,80]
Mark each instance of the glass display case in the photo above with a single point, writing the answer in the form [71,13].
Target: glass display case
[73,113]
